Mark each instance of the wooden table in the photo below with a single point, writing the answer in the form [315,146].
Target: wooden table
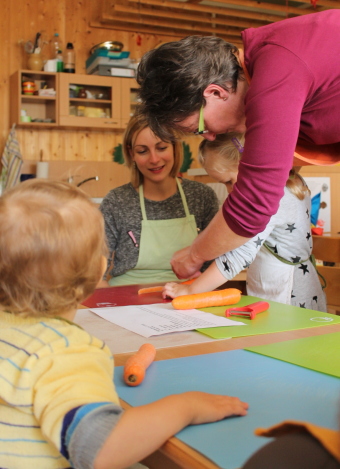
[174,454]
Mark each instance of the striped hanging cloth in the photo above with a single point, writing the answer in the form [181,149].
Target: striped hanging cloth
[11,162]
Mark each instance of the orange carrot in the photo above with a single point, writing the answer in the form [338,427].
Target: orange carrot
[229,296]
[136,365]
[141,291]
[188,282]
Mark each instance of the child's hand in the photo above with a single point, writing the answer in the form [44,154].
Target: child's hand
[173,289]
[211,408]
[160,420]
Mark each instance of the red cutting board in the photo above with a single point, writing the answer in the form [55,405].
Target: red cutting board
[125,295]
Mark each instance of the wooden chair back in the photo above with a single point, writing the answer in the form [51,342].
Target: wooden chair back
[327,249]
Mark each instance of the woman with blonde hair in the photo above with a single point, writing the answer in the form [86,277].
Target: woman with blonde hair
[154,215]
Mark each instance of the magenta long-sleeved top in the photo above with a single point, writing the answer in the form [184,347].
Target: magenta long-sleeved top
[294,93]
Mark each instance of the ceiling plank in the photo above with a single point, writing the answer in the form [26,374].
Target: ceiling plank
[256,5]
[189,17]
[211,9]
[152,30]
[223,18]
[190,28]
[328,3]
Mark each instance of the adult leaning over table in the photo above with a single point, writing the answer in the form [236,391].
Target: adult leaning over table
[154,215]
[282,88]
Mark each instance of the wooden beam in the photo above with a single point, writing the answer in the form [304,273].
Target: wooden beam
[189,17]
[121,26]
[254,4]
[328,3]
[258,16]
[185,28]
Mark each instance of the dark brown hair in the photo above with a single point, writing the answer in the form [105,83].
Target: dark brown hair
[173,77]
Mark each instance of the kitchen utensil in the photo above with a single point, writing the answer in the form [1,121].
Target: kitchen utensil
[29,47]
[250,311]
[109,45]
[36,42]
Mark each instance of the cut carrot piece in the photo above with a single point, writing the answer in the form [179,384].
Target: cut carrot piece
[141,291]
[228,296]
[137,364]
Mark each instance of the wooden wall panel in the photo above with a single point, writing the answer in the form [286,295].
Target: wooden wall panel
[4,69]
[75,21]
[19,22]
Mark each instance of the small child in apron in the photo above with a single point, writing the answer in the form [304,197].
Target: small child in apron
[279,260]
[59,405]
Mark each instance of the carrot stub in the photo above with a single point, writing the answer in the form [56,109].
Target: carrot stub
[142,291]
[136,365]
[228,296]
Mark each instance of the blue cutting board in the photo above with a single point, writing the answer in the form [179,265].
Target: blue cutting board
[275,391]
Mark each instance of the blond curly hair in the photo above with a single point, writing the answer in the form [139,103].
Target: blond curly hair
[52,242]
[223,154]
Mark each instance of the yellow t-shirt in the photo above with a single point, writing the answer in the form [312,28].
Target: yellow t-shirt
[52,375]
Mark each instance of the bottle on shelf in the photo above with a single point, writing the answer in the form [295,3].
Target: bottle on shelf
[60,61]
[55,46]
[70,59]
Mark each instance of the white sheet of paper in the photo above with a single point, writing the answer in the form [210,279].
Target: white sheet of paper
[158,319]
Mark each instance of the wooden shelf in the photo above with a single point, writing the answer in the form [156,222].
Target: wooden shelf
[36,107]
[112,112]
[108,113]
[89,100]
[36,99]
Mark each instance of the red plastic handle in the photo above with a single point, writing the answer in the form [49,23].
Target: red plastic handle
[250,310]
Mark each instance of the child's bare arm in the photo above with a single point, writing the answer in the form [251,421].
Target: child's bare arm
[103,284]
[142,430]
[207,281]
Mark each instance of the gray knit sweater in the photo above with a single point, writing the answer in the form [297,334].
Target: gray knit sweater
[122,213]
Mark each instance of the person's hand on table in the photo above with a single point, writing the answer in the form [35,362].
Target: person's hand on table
[173,289]
[185,265]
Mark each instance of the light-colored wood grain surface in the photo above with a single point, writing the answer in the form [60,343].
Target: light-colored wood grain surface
[233,344]
[19,22]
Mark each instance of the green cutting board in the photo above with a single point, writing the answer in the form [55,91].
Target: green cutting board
[319,353]
[278,318]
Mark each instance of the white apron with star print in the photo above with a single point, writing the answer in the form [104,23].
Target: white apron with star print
[287,235]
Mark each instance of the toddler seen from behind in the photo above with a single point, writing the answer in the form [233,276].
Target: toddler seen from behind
[59,407]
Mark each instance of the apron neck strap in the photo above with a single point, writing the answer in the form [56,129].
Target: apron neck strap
[184,200]
[142,201]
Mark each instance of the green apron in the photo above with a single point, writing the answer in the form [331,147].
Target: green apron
[160,239]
